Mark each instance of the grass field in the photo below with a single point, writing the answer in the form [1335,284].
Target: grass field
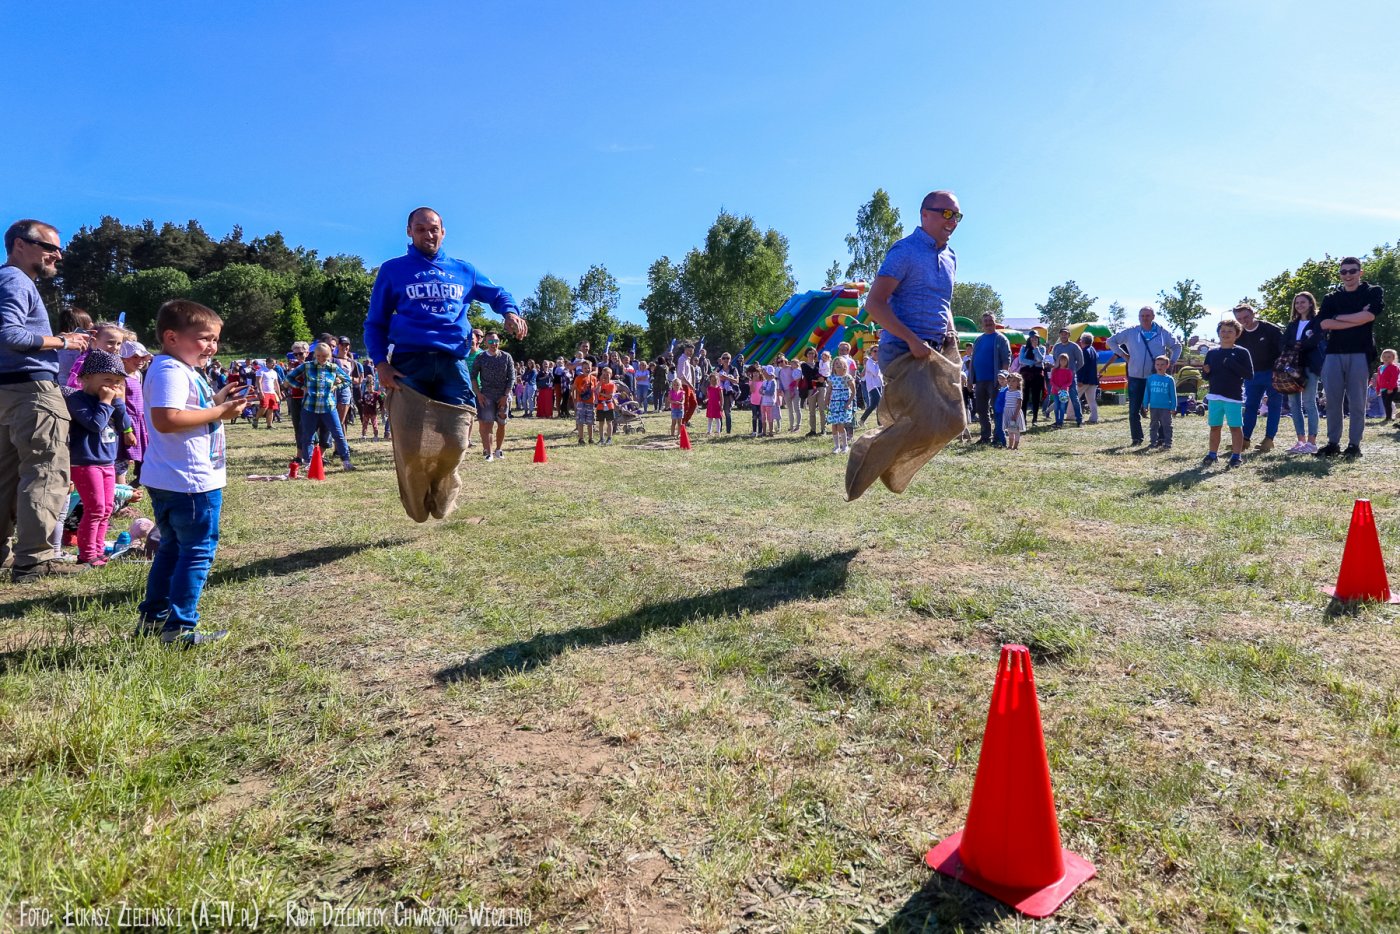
[642,689]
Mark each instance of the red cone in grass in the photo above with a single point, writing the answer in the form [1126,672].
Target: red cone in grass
[317,470]
[1362,576]
[540,456]
[1010,848]
[685,439]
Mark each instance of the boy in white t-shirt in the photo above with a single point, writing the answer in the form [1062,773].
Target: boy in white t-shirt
[184,469]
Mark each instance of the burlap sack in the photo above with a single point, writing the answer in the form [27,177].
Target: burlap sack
[920,411]
[429,439]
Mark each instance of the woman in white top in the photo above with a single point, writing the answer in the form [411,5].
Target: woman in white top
[1303,334]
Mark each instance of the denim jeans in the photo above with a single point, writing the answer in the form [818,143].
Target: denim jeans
[437,375]
[329,421]
[189,535]
[872,403]
[1255,389]
[1074,399]
[1137,390]
[1305,404]
[1061,405]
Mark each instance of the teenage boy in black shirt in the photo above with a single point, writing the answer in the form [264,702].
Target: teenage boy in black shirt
[1346,319]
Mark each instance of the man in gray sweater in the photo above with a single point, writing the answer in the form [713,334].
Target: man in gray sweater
[33,415]
[1140,346]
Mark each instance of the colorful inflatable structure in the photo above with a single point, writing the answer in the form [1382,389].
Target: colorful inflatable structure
[822,318]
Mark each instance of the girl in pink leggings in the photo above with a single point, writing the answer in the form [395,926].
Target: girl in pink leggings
[99,419]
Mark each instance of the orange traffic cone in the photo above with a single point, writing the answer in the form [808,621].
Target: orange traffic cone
[685,439]
[540,456]
[317,470]
[1362,576]
[1010,848]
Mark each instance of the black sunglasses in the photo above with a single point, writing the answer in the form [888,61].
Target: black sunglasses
[1345,272]
[43,245]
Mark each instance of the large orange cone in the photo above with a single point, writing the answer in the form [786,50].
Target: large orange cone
[685,439]
[317,470]
[1362,576]
[1010,848]
[540,456]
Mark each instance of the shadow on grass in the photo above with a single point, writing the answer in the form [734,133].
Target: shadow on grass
[263,567]
[800,577]
[1284,468]
[1181,480]
[944,904]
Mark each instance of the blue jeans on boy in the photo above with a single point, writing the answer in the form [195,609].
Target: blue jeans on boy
[329,421]
[189,535]
[1254,389]
[437,375]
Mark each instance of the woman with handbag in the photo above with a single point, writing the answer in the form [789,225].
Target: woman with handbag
[1298,369]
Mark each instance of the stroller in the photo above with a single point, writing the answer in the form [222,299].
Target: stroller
[628,415]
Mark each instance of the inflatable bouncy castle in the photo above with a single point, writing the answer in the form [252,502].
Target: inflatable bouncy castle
[822,319]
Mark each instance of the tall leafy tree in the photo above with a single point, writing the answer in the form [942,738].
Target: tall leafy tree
[740,271]
[1182,306]
[291,324]
[597,290]
[1064,304]
[877,228]
[972,299]
[549,312]
[833,274]
[669,311]
[1117,316]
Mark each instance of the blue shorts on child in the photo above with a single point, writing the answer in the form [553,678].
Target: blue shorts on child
[1224,412]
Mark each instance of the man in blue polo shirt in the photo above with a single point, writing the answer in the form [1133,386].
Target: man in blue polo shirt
[991,355]
[417,329]
[912,296]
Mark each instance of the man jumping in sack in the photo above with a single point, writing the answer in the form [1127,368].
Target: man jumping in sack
[419,308]
[418,336]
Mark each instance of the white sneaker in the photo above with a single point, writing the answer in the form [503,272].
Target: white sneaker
[498,455]
[1308,448]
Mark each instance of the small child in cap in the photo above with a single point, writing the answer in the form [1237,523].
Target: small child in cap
[99,420]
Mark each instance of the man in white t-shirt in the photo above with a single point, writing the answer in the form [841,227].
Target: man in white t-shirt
[269,394]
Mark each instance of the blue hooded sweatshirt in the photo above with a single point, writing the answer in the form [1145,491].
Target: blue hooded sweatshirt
[420,303]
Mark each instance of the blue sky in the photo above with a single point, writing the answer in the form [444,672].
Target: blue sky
[1125,146]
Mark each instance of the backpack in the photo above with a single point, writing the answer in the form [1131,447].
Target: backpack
[1289,377]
